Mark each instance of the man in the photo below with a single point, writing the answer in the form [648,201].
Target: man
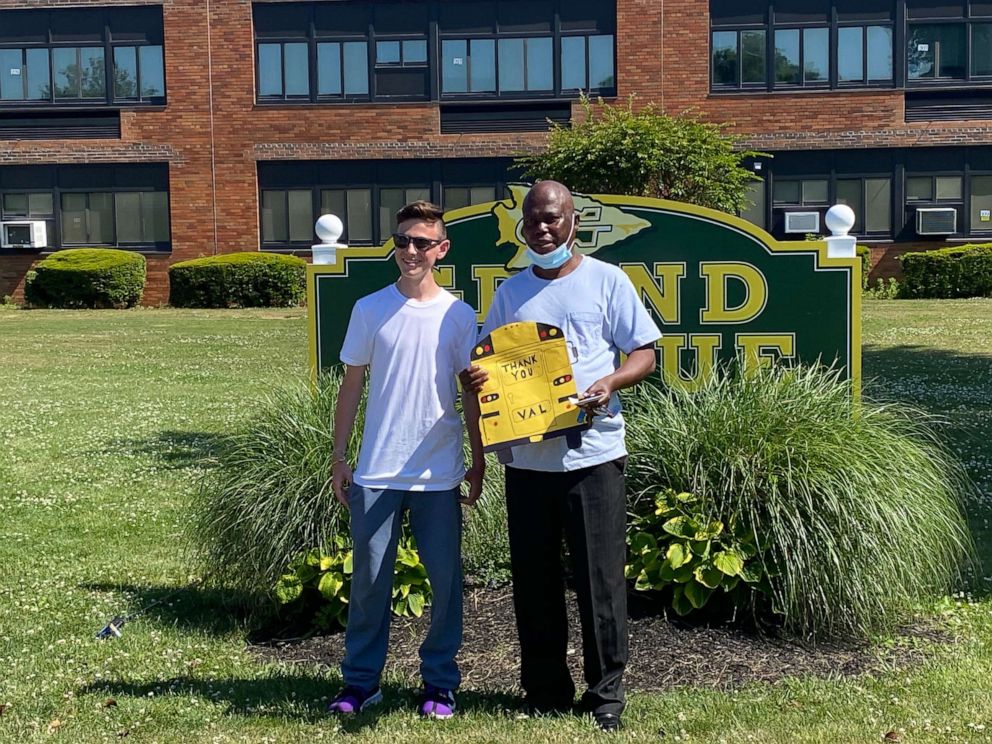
[414,337]
[553,491]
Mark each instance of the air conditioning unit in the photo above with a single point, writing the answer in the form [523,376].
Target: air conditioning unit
[802,222]
[24,234]
[936,221]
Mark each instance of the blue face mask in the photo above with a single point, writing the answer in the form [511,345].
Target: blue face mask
[558,257]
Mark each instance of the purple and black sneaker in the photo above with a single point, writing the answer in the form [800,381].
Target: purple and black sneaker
[437,702]
[353,700]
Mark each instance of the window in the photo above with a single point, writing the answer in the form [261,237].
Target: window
[83,205]
[354,207]
[864,54]
[464,196]
[830,43]
[587,62]
[70,56]
[808,192]
[933,188]
[473,49]
[755,213]
[936,51]
[981,204]
[342,68]
[871,200]
[138,72]
[802,56]
[88,218]
[739,58]
[142,217]
[365,194]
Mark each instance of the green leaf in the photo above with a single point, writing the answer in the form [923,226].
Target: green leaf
[643,583]
[680,603]
[711,531]
[678,555]
[288,588]
[708,576]
[684,573]
[680,527]
[330,585]
[729,562]
[416,603]
[697,594]
[751,572]
[349,566]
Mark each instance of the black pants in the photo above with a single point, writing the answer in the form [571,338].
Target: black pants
[588,508]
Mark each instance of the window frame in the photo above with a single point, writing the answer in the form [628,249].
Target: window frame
[107,42]
[434,36]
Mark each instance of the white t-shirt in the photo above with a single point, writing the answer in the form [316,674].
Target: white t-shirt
[601,315]
[413,435]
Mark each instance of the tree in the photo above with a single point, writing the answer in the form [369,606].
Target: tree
[615,150]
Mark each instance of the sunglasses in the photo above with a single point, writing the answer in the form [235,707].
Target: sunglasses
[402,240]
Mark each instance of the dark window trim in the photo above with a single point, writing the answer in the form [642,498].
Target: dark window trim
[108,43]
[434,37]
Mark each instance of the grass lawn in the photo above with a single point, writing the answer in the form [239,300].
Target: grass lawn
[102,417]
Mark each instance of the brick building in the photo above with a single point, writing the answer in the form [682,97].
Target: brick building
[189,127]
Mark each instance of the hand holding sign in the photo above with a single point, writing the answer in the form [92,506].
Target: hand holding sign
[525,384]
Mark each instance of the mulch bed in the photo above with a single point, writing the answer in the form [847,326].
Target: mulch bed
[664,653]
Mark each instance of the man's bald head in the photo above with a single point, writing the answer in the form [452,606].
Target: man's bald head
[547,193]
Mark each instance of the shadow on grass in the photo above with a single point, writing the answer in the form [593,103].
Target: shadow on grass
[213,609]
[174,449]
[303,697]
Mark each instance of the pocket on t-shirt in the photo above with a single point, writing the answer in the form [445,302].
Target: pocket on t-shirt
[584,333]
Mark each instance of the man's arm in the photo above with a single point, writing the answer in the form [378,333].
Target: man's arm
[476,473]
[639,364]
[349,396]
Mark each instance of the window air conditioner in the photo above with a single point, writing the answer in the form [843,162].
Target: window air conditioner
[802,222]
[936,221]
[24,234]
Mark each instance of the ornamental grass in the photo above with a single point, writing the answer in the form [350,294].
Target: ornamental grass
[859,505]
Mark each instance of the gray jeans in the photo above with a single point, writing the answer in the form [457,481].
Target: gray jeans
[436,521]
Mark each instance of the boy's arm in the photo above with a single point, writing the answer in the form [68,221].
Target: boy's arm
[476,473]
[349,396]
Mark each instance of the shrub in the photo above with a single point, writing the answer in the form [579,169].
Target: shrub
[269,497]
[884,289]
[238,280]
[962,271]
[859,505]
[87,278]
[318,583]
[674,544]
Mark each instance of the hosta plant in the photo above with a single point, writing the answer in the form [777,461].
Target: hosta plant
[318,582]
[677,544]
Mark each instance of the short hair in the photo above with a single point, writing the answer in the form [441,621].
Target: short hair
[424,211]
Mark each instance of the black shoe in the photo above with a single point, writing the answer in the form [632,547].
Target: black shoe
[608,722]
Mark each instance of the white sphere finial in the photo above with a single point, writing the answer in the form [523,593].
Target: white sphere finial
[329,228]
[840,219]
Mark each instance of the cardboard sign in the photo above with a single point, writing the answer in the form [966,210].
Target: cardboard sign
[526,398]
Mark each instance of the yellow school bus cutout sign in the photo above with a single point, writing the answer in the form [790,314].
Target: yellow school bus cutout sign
[526,398]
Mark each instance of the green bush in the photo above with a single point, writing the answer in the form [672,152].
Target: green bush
[238,280]
[317,584]
[859,506]
[961,271]
[675,544]
[268,497]
[87,278]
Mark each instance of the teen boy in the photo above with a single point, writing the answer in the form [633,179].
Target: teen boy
[414,337]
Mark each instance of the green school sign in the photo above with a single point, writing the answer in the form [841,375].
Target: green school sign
[718,286]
